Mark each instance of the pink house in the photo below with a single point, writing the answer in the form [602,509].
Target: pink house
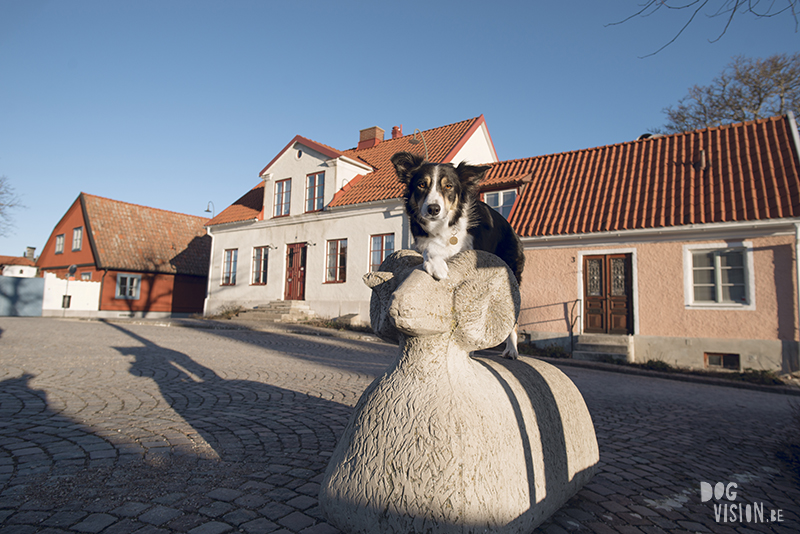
[680,248]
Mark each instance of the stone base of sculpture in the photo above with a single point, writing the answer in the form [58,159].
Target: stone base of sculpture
[444,442]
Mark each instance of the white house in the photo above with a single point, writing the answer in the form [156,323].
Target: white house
[321,218]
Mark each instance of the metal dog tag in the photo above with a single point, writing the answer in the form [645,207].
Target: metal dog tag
[454,240]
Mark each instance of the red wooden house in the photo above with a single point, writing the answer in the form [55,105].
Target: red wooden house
[150,262]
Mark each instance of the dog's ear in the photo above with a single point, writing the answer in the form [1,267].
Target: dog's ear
[405,163]
[471,175]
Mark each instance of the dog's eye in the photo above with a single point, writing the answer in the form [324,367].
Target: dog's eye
[421,186]
[448,187]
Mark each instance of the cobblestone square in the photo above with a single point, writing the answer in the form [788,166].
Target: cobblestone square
[125,427]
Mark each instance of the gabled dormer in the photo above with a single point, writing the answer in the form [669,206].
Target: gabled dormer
[304,177]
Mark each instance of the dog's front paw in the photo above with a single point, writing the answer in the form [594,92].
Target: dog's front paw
[437,268]
[510,353]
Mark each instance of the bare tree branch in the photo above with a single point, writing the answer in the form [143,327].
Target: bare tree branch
[9,200]
[747,89]
[729,9]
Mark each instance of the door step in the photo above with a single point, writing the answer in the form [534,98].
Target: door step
[603,348]
[283,311]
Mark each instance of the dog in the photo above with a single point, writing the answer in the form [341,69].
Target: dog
[446,216]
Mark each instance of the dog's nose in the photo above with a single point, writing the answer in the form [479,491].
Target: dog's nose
[434,209]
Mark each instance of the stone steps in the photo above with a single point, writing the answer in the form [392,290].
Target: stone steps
[284,311]
[602,348]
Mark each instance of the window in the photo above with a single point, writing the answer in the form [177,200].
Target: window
[380,248]
[260,256]
[501,201]
[86,277]
[77,238]
[60,244]
[337,261]
[722,361]
[315,187]
[718,277]
[128,286]
[283,197]
[229,267]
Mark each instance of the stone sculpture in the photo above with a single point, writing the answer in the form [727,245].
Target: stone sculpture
[445,442]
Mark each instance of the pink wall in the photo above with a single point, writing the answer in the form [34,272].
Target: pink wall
[550,285]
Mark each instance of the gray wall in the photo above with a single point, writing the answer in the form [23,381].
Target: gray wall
[21,297]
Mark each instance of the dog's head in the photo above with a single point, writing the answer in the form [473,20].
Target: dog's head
[436,191]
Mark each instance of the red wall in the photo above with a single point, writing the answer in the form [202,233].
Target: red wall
[59,263]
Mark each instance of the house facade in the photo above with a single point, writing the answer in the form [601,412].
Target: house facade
[19,266]
[149,262]
[684,246]
[321,218]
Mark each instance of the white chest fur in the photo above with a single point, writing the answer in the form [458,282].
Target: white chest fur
[442,243]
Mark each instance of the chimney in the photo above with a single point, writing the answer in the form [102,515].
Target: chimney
[29,252]
[397,131]
[370,137]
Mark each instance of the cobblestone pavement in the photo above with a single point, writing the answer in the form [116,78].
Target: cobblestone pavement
[120,428]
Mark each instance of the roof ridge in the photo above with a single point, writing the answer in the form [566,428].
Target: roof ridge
[392,139]
[742,124]
[142,206]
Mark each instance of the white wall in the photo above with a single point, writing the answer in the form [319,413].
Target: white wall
[20,271]
[478,149]
[326,299]
[85,296]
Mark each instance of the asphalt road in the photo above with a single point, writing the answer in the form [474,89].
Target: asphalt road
[123,427]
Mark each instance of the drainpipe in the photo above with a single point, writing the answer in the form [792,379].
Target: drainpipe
[796,290]
[210,268]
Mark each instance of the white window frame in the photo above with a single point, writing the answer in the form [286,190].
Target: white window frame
[339,276]
[60,244]
[500,193]
[282,203]
[77,238]
[746,247]
[137,292]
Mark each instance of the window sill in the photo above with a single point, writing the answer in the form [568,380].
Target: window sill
[725,306]
[256,284]
[280,216]
[335,281]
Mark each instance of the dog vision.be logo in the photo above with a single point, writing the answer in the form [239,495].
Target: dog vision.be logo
[736,512]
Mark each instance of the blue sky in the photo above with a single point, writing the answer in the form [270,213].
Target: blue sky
[173,104]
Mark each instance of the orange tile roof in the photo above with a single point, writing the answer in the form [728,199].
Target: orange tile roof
[138,238]
[247,208]
[16,260]
[751,173]
[382,183]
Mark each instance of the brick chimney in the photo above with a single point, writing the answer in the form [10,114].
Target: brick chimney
[370,137]
[397,131]
[30,252]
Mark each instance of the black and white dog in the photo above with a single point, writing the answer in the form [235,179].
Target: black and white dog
[446,216]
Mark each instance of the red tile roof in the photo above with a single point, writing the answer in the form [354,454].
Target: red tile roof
[247,208]
[382,183]
[751,172]
[16,260]
[138,238]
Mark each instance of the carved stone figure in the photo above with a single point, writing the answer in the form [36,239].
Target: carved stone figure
[446,442]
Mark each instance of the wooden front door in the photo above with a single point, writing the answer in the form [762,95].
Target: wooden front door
[295,272]
[608,299]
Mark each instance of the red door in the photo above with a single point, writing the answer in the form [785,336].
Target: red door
[608,292]
[295,272]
